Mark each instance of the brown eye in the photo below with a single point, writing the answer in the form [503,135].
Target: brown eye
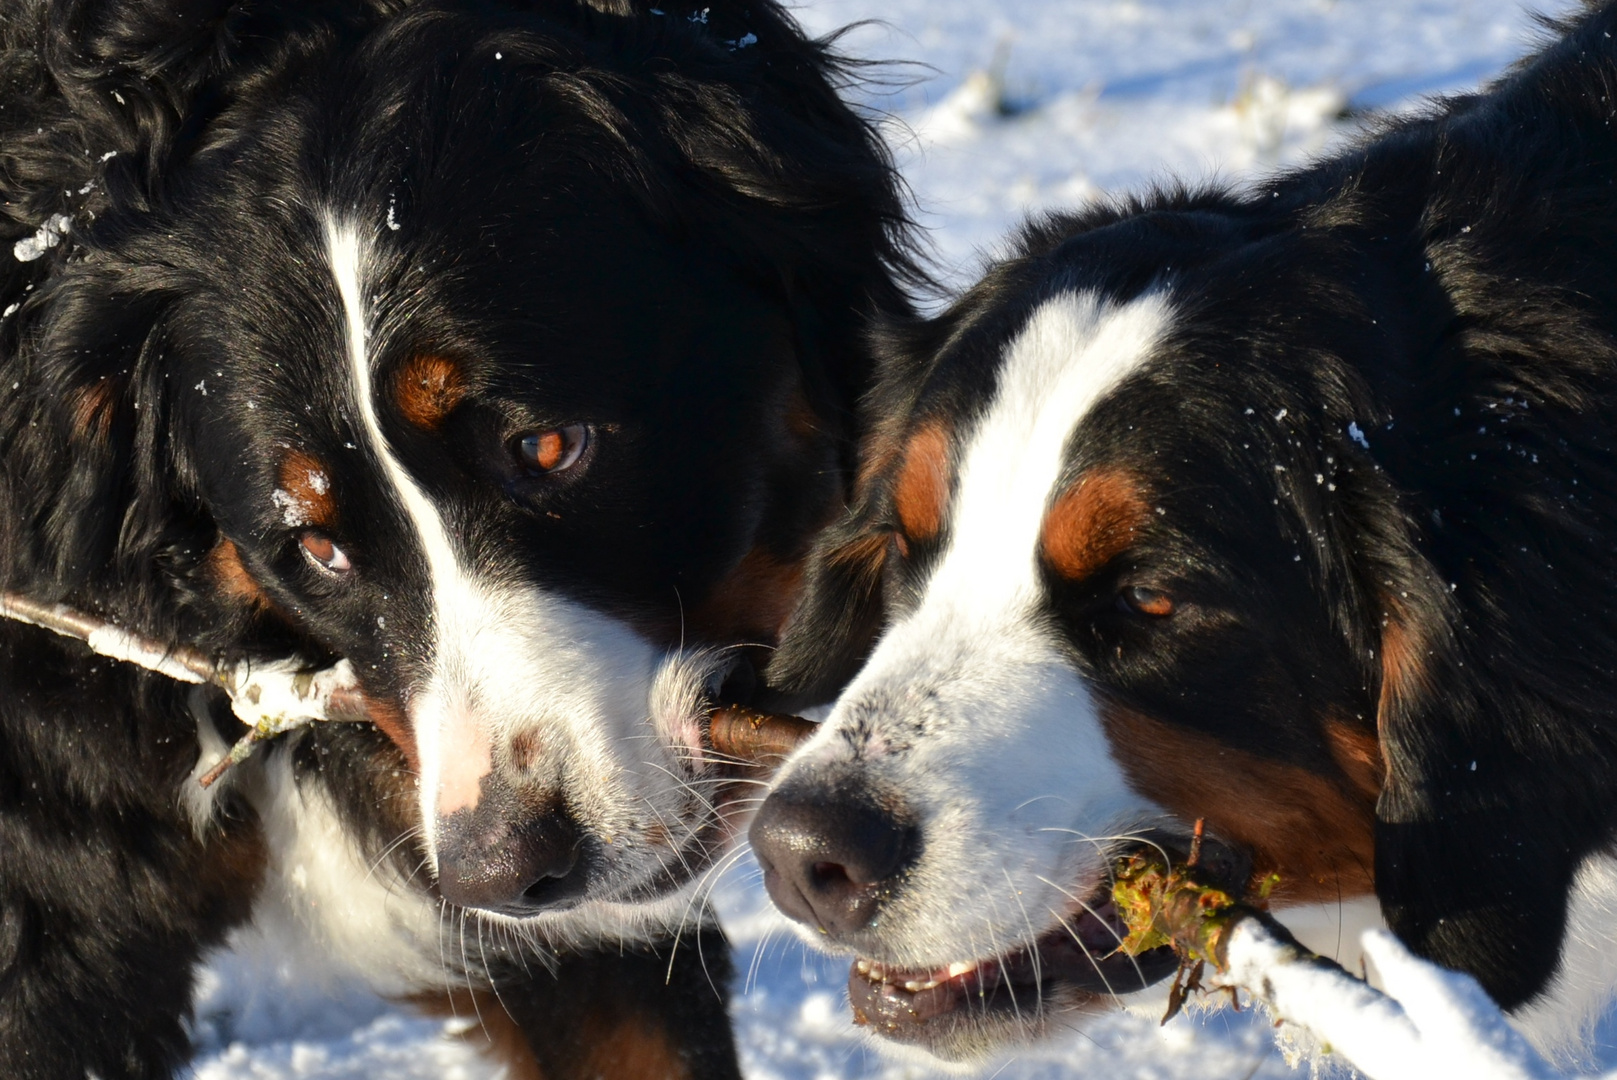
[325,554]
[554,450]
[1152,602]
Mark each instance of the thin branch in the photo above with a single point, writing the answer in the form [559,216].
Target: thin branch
[274,697]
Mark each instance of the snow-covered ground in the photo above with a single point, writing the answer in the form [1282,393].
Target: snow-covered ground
[1011,106]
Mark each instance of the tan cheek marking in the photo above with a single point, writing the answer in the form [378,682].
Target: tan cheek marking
[429,388]
[1093,521]
[922,490]
[304,493]
[752,602]
[631,1046]
[1317,832]
[224,566]
[390,720]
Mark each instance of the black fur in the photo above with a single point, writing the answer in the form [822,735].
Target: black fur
[661,222]
[1386,420]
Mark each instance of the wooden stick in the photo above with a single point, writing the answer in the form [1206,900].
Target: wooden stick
[270,698]
[757,738]
[277,697]
[175,661]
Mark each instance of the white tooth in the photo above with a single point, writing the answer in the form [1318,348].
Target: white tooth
[959,968]
[915,986]
[863,967]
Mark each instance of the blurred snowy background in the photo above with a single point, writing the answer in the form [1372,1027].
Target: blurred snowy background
[1008,106]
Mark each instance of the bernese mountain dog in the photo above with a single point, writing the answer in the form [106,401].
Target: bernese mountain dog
[1291,508]
[506,350]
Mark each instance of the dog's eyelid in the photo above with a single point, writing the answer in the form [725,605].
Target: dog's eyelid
[1146,600]
[324,553]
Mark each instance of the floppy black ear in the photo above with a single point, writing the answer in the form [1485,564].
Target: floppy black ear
[1499,782]
[785,173]
[843,607]
[100,93]
[839,615]
[82,431]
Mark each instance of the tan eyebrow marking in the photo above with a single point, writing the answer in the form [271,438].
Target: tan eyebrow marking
[922,490]
[1093,521]
[303,492]
[429,387]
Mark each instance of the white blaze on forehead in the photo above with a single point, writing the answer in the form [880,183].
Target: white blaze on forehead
[1073,350]
[970,705]
[456,599]
[510,659]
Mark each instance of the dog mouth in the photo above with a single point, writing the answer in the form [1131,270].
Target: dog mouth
[731,747]
[1080,956]
[1076,963]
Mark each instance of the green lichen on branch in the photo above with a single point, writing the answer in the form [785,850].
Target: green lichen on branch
[1176,905]
[1182,906]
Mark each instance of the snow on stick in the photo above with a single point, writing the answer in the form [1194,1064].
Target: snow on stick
[1429,1021]
[177,662]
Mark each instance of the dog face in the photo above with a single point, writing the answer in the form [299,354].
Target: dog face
[435,349]
[1102,624]
[499,532]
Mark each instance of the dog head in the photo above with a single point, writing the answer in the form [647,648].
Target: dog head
[507,355]
[1106,577]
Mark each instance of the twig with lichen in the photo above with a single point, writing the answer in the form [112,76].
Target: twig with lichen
[269,698]
[1429,1022]
[275,697]
[1181,905]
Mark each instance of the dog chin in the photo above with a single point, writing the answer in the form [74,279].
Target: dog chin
[973,1040]
[678,910]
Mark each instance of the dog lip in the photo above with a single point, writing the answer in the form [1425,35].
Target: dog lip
[920,1005]
[1080,953]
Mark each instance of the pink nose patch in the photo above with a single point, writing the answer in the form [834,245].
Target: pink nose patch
[467,757]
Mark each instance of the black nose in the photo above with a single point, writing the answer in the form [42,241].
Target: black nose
[506,857]
[831,852]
